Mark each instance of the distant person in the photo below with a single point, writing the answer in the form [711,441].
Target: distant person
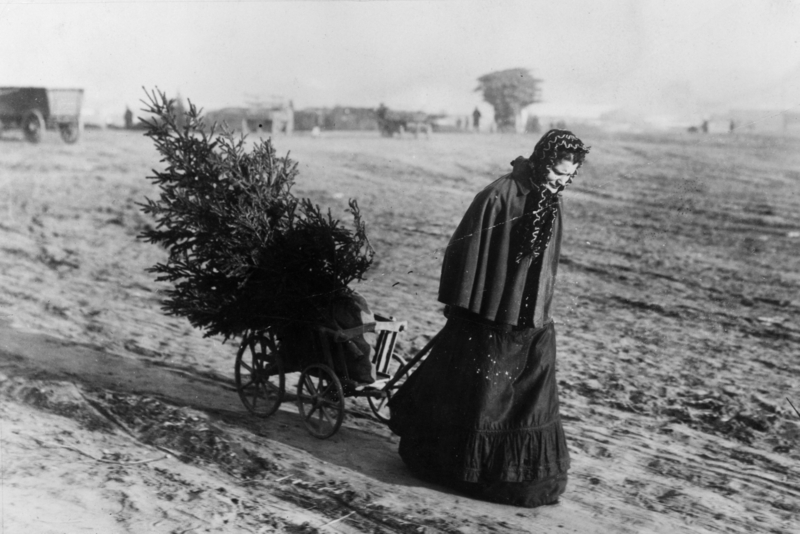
[382,111]
[532,125]
[704,127]
[289,126]
[384,127]
[128,118]
[481,413]
[180,112]
[731,126]
[476,119]
[316,131]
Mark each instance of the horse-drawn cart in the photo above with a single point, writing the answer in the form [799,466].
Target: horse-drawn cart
[263,361]
[34,109]
[400,123]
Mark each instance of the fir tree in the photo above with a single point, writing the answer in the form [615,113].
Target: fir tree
[245,254]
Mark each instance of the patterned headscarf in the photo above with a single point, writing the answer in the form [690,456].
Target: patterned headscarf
[541,206]
[554,143]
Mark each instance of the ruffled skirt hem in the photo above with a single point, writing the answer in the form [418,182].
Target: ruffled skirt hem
[519,455]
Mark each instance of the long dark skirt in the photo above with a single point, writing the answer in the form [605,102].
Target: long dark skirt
[481,414]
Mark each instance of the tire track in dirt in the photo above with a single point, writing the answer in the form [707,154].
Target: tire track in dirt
[687,476]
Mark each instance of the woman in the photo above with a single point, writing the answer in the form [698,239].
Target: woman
[481,412]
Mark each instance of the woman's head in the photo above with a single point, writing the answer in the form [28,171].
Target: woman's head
[557,145]
[556,159]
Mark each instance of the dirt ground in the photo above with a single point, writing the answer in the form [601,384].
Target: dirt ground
[676,309]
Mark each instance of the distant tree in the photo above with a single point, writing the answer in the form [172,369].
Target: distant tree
[508,91]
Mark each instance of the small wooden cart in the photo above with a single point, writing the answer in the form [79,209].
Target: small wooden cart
[324,383]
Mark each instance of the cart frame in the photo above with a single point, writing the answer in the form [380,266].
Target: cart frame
[324,383]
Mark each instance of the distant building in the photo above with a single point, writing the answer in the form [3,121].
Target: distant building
[449,123]
[309,118]
[336,118]
[350,118]
[269,120]
[757,121]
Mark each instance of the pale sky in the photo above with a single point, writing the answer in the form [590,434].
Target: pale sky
[660,55]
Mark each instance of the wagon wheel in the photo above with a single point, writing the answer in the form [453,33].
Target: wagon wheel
[380,406]
[320,400]
[260,380]
[70,132]
[33,125]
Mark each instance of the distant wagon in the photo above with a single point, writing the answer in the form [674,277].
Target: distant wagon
[34,109]
[391,123]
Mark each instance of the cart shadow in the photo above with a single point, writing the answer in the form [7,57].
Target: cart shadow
[362,445]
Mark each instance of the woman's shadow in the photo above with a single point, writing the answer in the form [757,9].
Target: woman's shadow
[362,445]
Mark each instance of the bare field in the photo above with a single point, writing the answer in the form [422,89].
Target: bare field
[677,314]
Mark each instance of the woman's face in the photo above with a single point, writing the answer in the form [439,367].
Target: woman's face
[560,174]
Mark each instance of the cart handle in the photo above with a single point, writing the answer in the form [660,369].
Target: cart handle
[410,363]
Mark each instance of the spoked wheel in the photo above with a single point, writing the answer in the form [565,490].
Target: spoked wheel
[380,406]
[33,125]
[260,380]
[70,132]
[320,400]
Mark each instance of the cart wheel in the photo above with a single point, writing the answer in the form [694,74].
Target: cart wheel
[260,380]
[69,132]
[33,126]
[320,400]
[380,406]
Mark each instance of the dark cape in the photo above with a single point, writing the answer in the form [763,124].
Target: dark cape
[480,271]
[481,412]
